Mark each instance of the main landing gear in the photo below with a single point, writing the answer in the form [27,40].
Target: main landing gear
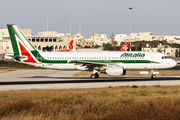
[94,75]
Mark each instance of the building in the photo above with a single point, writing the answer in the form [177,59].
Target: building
[49,41]
[78,38]
[171,39]
[120,38]
[46,40]
[166,49]
[5,43]
[87,42]
[100,39]
[146,36]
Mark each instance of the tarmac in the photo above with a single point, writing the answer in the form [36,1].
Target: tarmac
[55,79]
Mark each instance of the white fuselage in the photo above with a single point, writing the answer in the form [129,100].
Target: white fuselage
[130,60]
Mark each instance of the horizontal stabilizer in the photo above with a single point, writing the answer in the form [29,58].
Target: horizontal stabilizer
[17,57]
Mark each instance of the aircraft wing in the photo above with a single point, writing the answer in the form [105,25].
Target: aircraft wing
[90,65]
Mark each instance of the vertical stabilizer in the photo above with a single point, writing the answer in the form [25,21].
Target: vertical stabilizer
[125,47]
[21,45]
[68,47]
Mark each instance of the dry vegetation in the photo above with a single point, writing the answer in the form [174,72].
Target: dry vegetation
[128,102]
[5,67]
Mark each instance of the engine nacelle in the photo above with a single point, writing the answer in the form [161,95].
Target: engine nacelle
[115,71]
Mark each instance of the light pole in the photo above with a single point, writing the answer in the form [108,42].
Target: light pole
[130,8]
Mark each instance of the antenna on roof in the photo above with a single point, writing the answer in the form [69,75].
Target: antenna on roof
[47,24]
[79,27]
[70,27]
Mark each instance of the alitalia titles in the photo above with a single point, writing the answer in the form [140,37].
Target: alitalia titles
[133,55]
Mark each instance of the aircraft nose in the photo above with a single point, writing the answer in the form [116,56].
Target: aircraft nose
[173,63]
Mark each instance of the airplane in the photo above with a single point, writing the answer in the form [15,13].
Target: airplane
[125,47]
[67,48]
[113,63]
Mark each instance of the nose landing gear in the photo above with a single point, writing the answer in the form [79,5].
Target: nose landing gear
[152,75]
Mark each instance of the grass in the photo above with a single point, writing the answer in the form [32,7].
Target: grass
[124,102]
[116,103]
[5,67]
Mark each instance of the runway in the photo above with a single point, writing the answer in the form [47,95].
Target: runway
[55,79]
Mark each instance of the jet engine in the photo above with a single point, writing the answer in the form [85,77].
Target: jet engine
[115,71]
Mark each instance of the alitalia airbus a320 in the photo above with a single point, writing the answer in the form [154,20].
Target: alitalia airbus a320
[114,63]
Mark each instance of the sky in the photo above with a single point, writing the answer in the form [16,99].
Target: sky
[161,17]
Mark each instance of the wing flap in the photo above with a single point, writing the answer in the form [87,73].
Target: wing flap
[90,65]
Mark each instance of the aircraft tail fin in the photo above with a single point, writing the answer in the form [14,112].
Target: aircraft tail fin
[68,47]
[21,45]
[125,47]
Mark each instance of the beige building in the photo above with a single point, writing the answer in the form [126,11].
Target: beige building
[78,38]
[166,49]
[171,39]
[96,39]
[146,36]
[99,39]
[120,38]
[6,47]
[5,43]
[46,40]
[87,42]
[4,34]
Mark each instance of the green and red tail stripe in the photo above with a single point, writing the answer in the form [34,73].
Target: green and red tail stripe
[21,45]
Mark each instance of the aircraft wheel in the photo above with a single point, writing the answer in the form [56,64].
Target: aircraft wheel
[93,76]
[96,75]
[153,76]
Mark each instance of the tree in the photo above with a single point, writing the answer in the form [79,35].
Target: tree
[133,48]
[176,54]
[96,46]
[112,38]
[107,46]
[87,47]
[139,48]
[114,44]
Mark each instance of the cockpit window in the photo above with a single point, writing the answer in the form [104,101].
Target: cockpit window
[165,57]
